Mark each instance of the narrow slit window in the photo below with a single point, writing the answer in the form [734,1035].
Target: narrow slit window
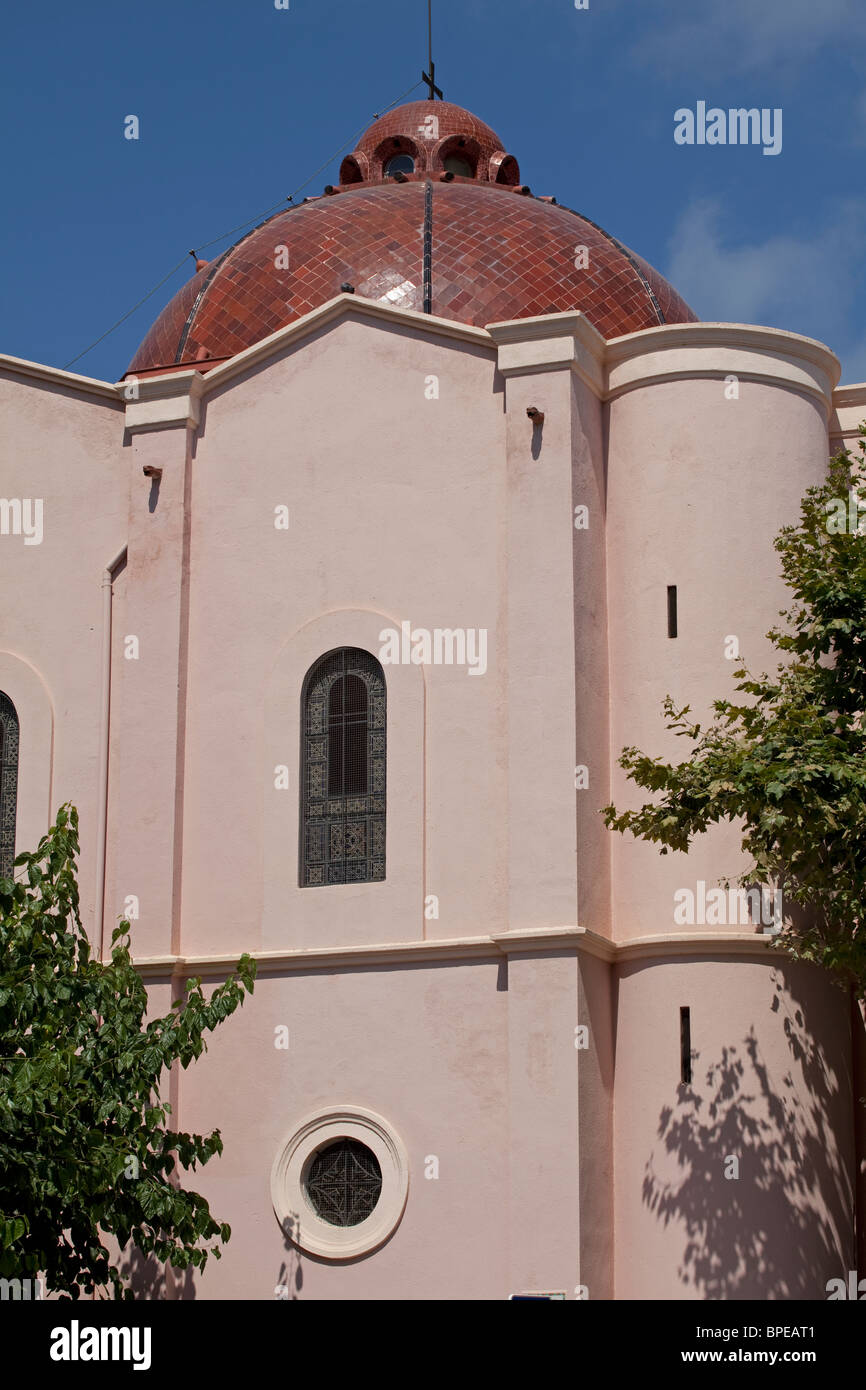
[672,610]
[685,1046]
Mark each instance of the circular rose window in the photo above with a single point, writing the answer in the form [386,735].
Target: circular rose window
[339,1183]
[343,1182]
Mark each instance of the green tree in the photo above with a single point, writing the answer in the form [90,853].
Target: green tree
[788,762]
[84,1146]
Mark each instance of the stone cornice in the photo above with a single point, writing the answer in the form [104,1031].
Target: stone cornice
[54,376]
[671,352]
[849,410]
[850,395]
[278,962]
[548,940]
[749,336]
[565,341]
[543,939]
[705,943]
[568,340]
[340,307]
[689,351]
[174,398]
[164,402]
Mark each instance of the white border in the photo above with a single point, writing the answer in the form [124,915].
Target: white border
[292,1208]
[529,940]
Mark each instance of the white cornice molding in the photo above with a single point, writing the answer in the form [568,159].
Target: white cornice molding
[849,411]
[340,307]
[670,352]
[747,335]
[689,351]
[546,939]
[164,402]
[390,953]
[551,342]
[850,395]
[543,939]
[704,943]
[174,398]
[54,376]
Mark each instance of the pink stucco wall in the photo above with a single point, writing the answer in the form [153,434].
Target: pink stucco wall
[63,446]
[589,1170]
[698,487]
[771,1089]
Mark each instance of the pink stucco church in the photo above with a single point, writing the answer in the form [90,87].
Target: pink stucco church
[332,617]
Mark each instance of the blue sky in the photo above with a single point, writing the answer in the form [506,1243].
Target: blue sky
[239,103]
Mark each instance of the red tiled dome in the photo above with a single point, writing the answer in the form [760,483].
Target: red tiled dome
[495,251]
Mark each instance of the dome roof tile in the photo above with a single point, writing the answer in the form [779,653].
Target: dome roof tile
[496,252]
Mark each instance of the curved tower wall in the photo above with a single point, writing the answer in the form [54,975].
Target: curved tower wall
[738,1185]
[735,1183]
[715,433]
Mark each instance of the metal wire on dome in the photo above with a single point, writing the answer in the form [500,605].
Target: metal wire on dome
[203,246]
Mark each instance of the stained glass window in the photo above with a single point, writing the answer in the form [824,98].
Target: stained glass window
[8,784]
[343,770]
[344,1183]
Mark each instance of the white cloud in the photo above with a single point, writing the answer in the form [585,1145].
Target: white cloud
[745,35]
[806,284]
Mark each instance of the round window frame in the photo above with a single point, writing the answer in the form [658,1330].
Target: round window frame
[293,1209]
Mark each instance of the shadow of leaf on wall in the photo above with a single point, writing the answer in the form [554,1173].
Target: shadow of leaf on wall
[149,1280]
[776,1223]
[290,1280]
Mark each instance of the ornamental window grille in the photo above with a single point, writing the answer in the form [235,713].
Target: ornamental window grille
[344,1183]
[8,784]
[343,770]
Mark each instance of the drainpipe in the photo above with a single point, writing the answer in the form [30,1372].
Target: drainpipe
[104,710]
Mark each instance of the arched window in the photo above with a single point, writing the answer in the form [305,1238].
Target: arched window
[343,770]
[8,784]
[396,155]
[400,164]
